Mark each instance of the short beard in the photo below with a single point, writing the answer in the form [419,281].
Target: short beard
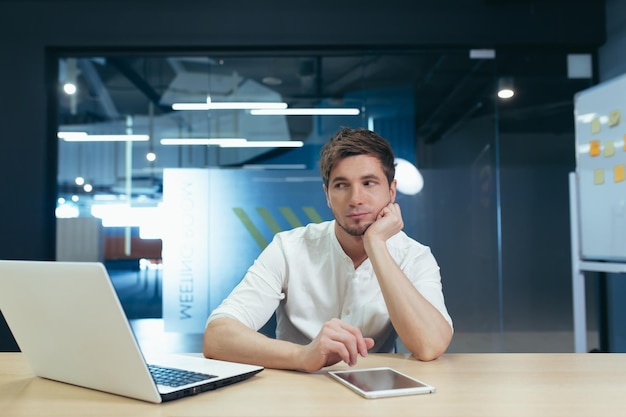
[357,231]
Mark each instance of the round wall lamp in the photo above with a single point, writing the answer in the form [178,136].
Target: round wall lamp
[409,181]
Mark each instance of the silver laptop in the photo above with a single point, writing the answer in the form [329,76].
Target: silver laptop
[70,326]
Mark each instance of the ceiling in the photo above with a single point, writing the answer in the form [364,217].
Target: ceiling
[448,88]
[447,85]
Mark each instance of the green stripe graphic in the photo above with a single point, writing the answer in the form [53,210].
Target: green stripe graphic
[271,222]
[290,216]
[312,214]
[254,232]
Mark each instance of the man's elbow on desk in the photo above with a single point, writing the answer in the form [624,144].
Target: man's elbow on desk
[427,356]
[432,349]
[217,330]
[207,346]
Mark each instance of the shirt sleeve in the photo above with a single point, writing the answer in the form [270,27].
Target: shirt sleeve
[423,271]
[256,297]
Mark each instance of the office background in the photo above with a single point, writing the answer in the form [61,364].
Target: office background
[527,281]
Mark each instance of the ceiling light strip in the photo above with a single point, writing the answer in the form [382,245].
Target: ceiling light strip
[233,142]
[84,137]
[306,112]
[229,105]
[265,144]
[201,141]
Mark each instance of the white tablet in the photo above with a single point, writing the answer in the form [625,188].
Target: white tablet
[381,382]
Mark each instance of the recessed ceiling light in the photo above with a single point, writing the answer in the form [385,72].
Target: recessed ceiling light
[69,88]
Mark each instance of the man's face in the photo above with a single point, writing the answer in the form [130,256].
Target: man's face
[357,191]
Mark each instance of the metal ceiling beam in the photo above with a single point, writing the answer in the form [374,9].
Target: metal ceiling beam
[139,82]
[98,88]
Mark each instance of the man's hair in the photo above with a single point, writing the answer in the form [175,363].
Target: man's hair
[351,142]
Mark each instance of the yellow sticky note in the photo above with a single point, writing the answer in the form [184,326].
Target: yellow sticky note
[598,176]
[609,148]
[594,147]
[595,125]
[618,173]
[614,118]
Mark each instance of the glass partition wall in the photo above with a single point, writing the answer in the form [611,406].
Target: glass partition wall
[175,170]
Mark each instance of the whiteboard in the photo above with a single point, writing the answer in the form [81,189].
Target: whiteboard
[600,117]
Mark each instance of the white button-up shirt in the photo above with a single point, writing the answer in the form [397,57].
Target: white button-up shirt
[306,277]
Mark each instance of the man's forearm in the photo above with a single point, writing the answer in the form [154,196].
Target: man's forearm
[422,328]
[228,339]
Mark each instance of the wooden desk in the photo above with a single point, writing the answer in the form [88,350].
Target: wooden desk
[501,384]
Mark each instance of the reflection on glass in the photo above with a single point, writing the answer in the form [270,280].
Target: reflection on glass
[468,155]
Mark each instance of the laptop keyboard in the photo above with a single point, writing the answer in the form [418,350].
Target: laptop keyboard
[172,377]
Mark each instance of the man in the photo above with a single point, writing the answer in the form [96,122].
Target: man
[339,288]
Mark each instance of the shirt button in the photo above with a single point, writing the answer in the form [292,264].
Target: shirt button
[346,312]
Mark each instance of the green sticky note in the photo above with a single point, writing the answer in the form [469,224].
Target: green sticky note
[598,176]
[609,148]
[595,125]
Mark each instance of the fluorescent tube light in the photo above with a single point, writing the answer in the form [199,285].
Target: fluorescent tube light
[306,112]
[200,141]
[274,166]
[233,142]
[72,136]
[225,105]
[265,144]
[118,138]
[84,137]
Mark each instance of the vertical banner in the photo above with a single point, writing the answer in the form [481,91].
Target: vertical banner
[216,222]
[185,250]
[248,207]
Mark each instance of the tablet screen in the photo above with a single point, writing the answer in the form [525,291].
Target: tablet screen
[381,381]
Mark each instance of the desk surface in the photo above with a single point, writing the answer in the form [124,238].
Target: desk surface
[500,384]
